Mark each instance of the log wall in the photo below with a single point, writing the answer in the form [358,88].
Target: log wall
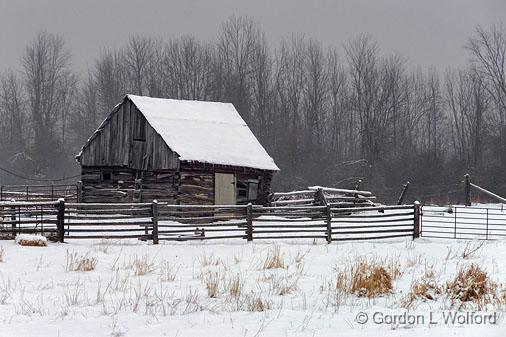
[161,186]
[192,184]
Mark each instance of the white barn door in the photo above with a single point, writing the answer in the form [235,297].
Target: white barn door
[224,189]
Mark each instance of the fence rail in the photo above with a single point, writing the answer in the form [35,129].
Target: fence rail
[459,222]
[38,193]
[154,221]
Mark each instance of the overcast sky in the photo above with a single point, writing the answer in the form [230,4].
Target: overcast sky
[428,32]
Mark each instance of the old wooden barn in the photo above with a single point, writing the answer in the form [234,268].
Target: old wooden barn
[182,152]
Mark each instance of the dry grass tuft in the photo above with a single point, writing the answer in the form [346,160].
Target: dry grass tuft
[370,280]
[212,281]
[75,262]
[471,284]
[426,289]
[256,303]
[274,259]
[208,260]
[32,241]
[2,254]
[235,286]
[168,271]
[142,265]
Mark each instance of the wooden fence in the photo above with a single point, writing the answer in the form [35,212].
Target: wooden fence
[154,221]
[38,193]
[335,197]
[27,217]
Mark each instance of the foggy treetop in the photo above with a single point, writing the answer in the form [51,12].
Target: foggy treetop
[327,116]
[429,32]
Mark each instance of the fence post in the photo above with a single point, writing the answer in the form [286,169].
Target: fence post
[403,193]
[60,219]
[319,198]
[329,224]
[416,229]
[79,191]
[467,189]
[154,211]
[13,217]
[455,228]
[249,222]
[486,233]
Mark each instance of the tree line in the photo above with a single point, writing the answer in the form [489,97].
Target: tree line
[327,116]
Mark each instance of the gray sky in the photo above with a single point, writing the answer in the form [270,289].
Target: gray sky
[428,32]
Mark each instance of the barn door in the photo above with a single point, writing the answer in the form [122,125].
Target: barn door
[224,189]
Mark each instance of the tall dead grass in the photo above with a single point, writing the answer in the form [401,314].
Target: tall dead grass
[2,254]
[425,289]
[370,279]
[274,259]
[76,262]
[366,278]
[142,265]
[472,284]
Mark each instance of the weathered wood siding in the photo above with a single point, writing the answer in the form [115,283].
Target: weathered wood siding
[116,144]
[161,185]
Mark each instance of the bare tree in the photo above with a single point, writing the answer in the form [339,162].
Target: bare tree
[138,55]
[238,41]
[188,68]
[110,79]
[12,114]
[488,52]
[468,104]
[46,64]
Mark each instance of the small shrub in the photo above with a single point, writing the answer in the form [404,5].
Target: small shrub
[75,262]
[31,240]
[370,280]
[471,285]
[274,259]
[471,250]
[2,254]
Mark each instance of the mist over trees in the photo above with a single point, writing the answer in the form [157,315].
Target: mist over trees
[327,117]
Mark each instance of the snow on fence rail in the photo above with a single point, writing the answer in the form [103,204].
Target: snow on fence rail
[336,197]
[154,221]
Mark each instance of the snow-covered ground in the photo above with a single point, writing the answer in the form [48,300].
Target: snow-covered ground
[139,289]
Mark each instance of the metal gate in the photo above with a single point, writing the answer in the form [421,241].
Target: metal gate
[460,222]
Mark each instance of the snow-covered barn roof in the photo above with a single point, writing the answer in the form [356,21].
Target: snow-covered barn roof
[207,132]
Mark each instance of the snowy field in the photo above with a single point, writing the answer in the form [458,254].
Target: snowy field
[290,288]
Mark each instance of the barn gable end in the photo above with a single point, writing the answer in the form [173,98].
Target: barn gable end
[126,139]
